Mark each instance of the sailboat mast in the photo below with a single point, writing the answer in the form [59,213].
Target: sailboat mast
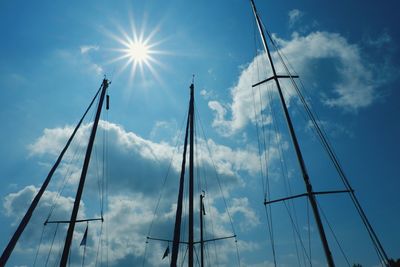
[201,232]
[306,178]
[25,220]
[178,217]
[68,240]
[191,195]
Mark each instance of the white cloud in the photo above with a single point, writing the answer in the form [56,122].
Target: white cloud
[355,87]
[164,130]
[87,48]
[137,167]
[294,16]
[241,205]
[79,61]
[129,147]
[207,94]
[15,206]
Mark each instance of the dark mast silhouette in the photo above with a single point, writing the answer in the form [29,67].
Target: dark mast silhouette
[25,220]
[310,193]
[176,241]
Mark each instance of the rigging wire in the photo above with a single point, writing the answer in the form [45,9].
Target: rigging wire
[176,148]
[267,181]
[51,246]
[265,185]
[99,245]
[209,210]
[60,244]
[219,183]
[208,206]
[218,180]
[334,235]
[288,189]
[106,186]
[328,147]
[77,156]
[371,232]
[309,229]
[40,243]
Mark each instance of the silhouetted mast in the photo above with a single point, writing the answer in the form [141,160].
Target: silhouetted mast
[178,218]
[310,193]
[68,239]
[191,186]
[25,220]
[202,212]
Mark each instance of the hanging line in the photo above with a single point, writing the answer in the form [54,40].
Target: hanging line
[284,169]
[40,243]
[51,246]
[219,184]
[334,235]
[176,148]
[99,246]
[208,205]
[322,135]
[265,151]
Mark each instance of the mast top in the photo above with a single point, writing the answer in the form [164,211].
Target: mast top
[192,84]
[106,82]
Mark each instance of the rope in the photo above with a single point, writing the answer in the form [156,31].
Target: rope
[208,204]
[284,170]
[309,229]
[217,176]
[40,243]
[327,146]
[218,181]
[145,252]
[334,235]
[162,188]
[166,176]
[237,252]
[51,246]
[266,149]
[99,245]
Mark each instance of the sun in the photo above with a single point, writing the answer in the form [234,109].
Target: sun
[137,51]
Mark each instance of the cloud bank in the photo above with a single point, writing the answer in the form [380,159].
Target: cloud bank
[137,167]
[354,89]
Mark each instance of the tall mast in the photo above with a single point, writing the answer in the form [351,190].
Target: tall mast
[68,240]
[201,231]
[25,220]
[310,193]
[191,196]
[178,218]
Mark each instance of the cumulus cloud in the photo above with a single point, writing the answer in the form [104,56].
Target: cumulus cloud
[354,89]
[139,166]
[136,157]
[52,207]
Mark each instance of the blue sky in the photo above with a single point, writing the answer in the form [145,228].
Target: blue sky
[53,56]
